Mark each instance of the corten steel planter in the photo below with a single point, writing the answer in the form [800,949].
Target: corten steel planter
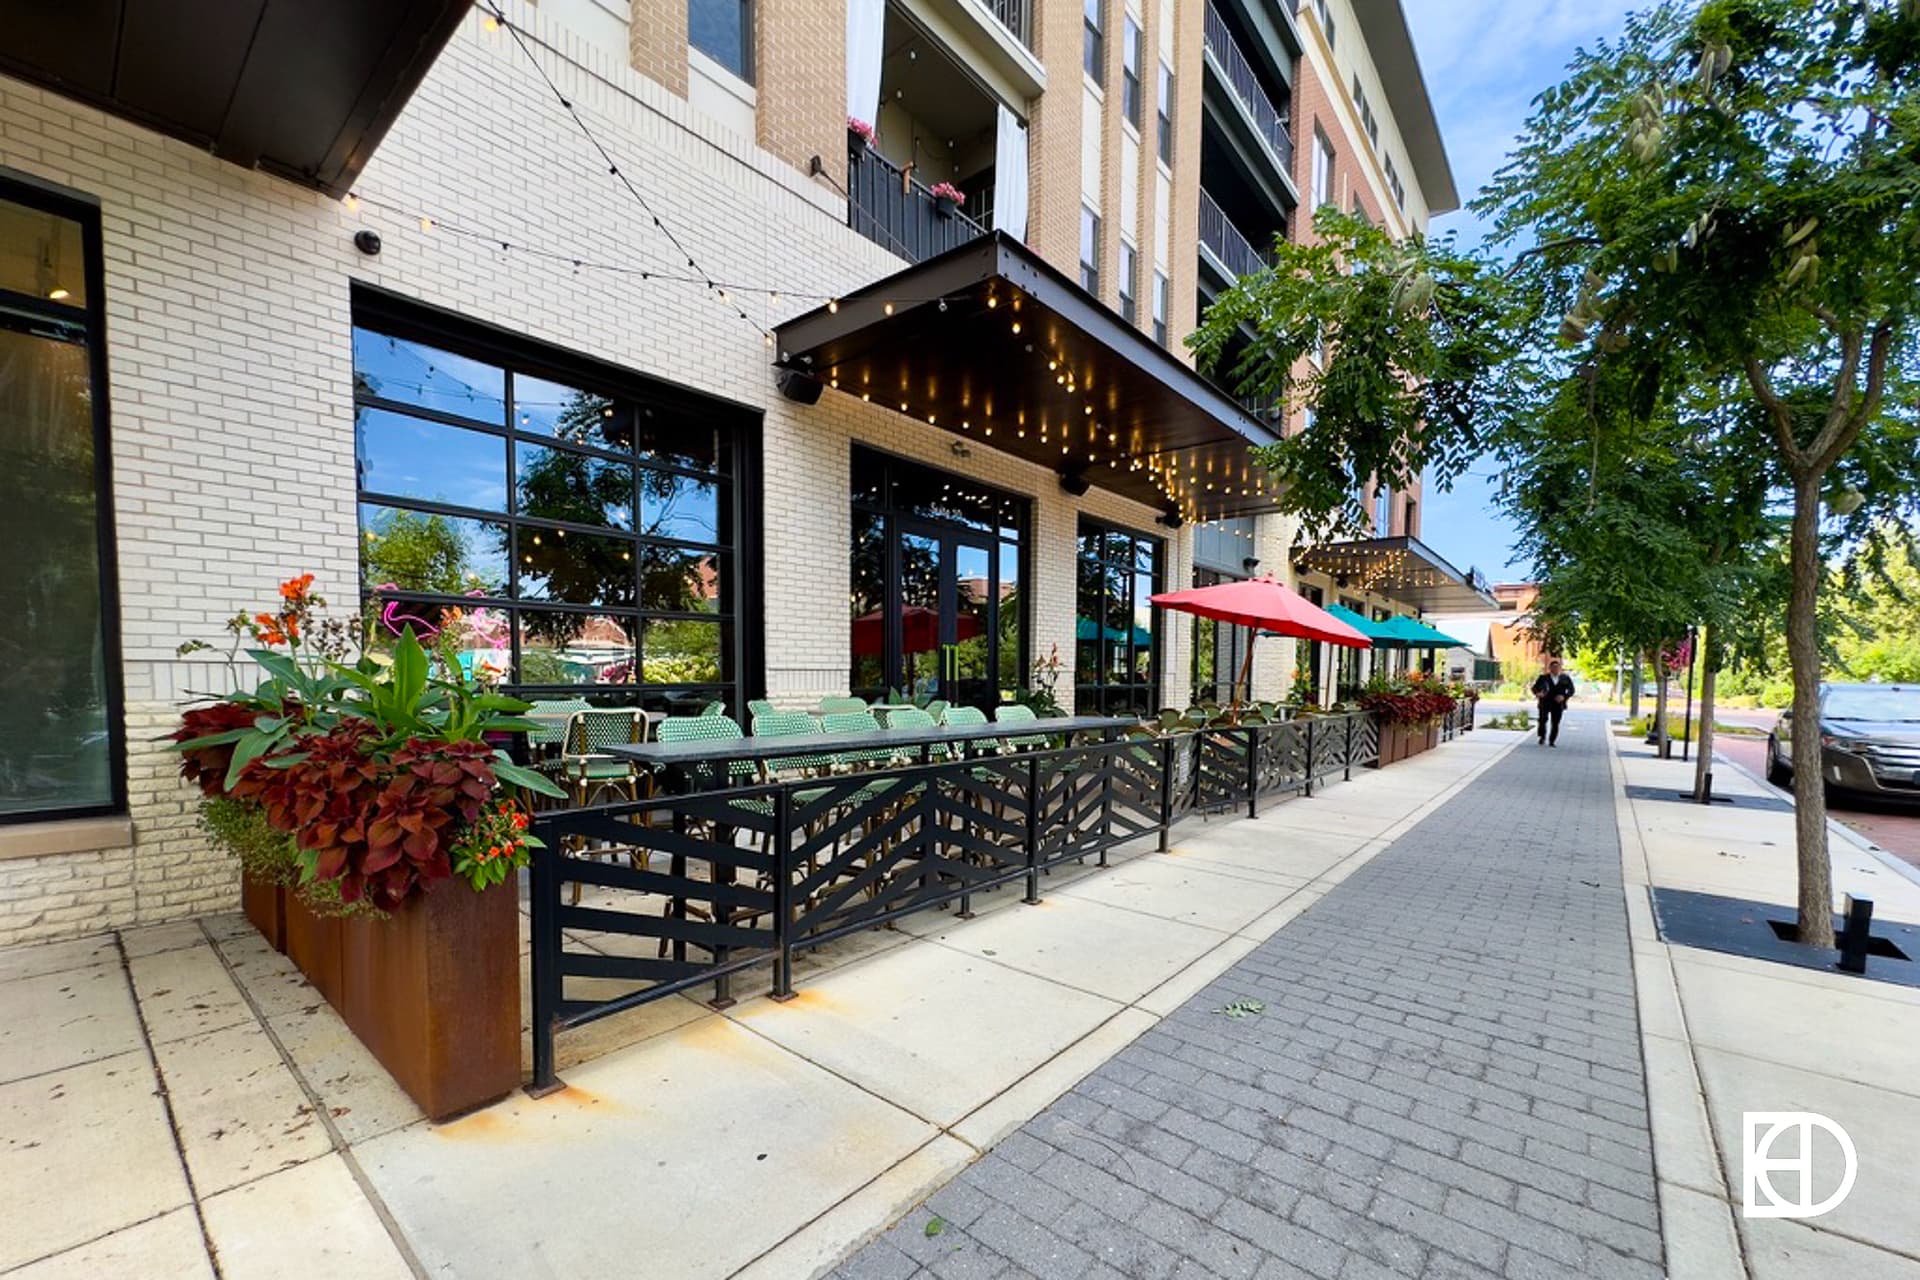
[313,943]
[433,991]
[266,909]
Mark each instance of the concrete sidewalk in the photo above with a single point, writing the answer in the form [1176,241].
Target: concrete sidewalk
[176,1098]
[1724,1036]
[1435,1071]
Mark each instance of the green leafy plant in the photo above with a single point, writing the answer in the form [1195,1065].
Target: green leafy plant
[378,771]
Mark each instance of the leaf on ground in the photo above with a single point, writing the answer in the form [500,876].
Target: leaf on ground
[935,1225]
[1243,1008]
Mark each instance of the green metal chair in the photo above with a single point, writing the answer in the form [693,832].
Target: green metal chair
[757,707]
[843,706]
[717,707]
[1016,713]
[708,728]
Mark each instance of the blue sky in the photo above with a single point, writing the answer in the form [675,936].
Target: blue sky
[1484,60]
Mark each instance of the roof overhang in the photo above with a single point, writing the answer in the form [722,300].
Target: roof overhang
[1390,45]
[302,90]
[1403,569]
[990,343]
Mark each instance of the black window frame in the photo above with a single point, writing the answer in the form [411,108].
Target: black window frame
[1131,41]
[1089,245]
[892,469]
[1164,108]
[1162,334]
[1326,22]
[739,546]
[1096,697]
[1129,282]
[746,70]
[86,323]
[1093,40]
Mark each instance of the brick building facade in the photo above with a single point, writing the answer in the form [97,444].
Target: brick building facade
[229,299]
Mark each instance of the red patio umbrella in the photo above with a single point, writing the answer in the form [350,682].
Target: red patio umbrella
[919,630]
[1264,605]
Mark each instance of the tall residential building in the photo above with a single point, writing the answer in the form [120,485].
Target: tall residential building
[597,318]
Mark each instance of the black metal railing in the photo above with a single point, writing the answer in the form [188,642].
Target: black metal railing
[716,882]
[894,210]
[1015,16]
[1268,120]
[1226,242]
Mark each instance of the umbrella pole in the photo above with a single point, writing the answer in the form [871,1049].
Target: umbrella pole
[1246,674]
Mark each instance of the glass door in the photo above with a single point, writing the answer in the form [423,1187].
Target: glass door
[943,620]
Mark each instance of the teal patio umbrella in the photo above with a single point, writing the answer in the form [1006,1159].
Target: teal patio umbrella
[1418,635]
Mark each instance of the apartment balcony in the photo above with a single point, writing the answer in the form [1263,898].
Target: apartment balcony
[895,210]
[1245,113]
[1016,16]
[1223,247]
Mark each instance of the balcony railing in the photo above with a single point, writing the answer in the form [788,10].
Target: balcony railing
[890,208]
[1268,119]
[1222,239]
[1014,15]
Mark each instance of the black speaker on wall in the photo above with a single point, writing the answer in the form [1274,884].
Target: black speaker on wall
[1074,482]
[800,387]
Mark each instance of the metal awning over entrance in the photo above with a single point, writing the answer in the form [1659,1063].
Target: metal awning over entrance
[990,343]
[303,90]
[1403,569]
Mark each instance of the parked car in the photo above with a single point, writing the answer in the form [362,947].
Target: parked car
[1869,741]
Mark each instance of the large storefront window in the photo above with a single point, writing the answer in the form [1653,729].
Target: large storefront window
[1222,552]
[586,525]
[1307,653]
[936,606]
[61,745]
[1116,669]
[1349,680]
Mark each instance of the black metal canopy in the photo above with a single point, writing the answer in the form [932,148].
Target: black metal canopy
[303,90]
[1403,569]
[992,344]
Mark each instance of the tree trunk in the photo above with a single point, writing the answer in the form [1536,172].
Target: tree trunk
[1633,697]
[1703,763]
[1661,749]
[1809,786]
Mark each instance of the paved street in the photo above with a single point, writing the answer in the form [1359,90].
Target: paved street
[1895,828]
[1436,1072]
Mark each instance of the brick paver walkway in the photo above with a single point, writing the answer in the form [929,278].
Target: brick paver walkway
[1445,1081]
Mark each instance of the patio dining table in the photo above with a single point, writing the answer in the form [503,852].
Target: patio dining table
[722,751]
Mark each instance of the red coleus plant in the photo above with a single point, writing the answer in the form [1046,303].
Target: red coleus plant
[1408,703]
[381,824]
[206,766]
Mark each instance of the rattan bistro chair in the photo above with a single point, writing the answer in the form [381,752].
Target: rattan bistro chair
[844,706]
[589,770]
[1015,713]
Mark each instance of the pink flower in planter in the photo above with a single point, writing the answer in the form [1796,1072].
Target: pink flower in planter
[947,191]
[861,129]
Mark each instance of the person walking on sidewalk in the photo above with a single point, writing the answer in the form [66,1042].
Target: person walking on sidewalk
[1552,689]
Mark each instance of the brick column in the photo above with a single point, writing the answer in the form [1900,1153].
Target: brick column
[657,42]
[800,70]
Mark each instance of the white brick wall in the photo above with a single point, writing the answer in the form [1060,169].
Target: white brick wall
[228,313]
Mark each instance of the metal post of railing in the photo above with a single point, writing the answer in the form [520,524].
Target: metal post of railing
[1166,791]
[544,887]
[1309,758]
[1253,770]
[1348,775]
[1109,761]
[783,895]
[1033,827]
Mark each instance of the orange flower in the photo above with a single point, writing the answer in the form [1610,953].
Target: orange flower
[296,588]
[292,624]
[520,821]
